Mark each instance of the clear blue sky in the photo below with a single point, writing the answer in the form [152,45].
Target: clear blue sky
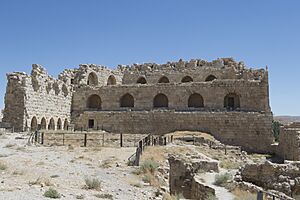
[61,34]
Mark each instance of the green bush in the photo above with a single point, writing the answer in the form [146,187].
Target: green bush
[149,166]
[104,196]
[222,179]
[52,193]
[92,184]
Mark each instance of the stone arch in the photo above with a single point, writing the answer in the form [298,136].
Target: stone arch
[195,101]
[51,125]
[186,79]
[56,88]
[127,100]
[94,102]
[92,79]
[160,101]
[43,124]
[210,78]
[48,87]
[35,83]
[65,90]
[111,80]
[66,124]
[231,101]
[33,124]
[59,124]
[163,79]
[141,80]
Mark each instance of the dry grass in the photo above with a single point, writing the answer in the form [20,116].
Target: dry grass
[92,184]
[108,162]
[10,145]
[243,195]
[42,181]
[167,196]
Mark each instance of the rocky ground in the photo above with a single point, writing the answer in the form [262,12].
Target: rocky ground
[28,171]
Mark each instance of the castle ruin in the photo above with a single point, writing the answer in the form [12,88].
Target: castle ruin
[221,97]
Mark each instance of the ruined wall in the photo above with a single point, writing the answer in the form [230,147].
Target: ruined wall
[198,70]
[36,97]
[251,130]
[289,142]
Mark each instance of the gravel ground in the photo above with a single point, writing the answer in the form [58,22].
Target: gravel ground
[31,170]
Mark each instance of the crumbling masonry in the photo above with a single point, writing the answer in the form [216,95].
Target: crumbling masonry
[221,97]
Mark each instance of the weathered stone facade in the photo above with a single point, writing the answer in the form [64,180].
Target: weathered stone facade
[222,97]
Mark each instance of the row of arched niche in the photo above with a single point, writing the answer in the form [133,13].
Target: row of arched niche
[93,79]
[50,126]
[195,100]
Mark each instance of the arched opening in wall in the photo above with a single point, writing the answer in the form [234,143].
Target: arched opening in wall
[48,87]
[65,90]
[141,80]
[66,124]
[231,101]
[186,79]
[163,79]
[210,78]
[195,101]
[94,102]
[43,124]
[51,125]
[59,124]
[33,125]
[160,101]
[56,88]
[35,83]
[127,100]
[92,79]
[111,80]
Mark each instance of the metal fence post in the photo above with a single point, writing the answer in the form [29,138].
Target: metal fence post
[85,138]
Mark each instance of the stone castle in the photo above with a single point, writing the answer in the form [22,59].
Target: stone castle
[221,97]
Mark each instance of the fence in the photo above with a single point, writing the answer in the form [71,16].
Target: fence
[85,139]
[149,140]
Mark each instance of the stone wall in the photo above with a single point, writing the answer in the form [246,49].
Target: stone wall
[253,95]
[289,142]
[251,130]
[281,177]
[31,99]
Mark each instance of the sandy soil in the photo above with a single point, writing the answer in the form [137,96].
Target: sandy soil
[31,170]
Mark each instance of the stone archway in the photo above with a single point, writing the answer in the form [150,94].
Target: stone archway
[111,80]
[92,79]
[43,124]
[127,100]
[231,101]
[160,101]
[94,102]
[186,79]
[33,124]
[195,101]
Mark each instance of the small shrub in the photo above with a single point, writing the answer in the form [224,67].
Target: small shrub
[52,193]
[222,179]
[92,184]
[9,145]
[80,196]
[149,166]
[104,196]
[211,197]
[227,164]
[2,166]
[54,176]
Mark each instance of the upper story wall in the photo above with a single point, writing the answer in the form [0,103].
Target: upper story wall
[247,96]
[93,75]
[197,70]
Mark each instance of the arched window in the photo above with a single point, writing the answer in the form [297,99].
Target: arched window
[94,102]
[195,101]
[111,80]
[66,124]
[231,101]
[141,80]
[127,100]
[92,79]
[186,79]
[51,125]
[163,79]
[43,124]
[160,101]
[59,127]
[33,125]
[210,78]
